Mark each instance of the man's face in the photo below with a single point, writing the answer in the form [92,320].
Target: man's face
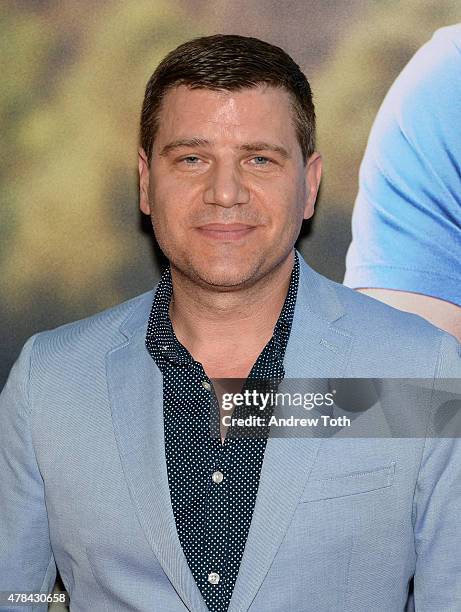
[227,188]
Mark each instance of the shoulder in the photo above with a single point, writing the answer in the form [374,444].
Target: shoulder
[357,312]
[384,319]
[449,36]
[397,343]
[441,55]
[428,84]
[52,361]
[94,334]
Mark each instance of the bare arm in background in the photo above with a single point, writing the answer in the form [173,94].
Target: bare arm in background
[442,314]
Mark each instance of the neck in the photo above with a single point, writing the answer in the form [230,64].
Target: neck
[225,327]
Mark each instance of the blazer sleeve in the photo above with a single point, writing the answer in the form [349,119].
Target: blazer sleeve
[437,577]
[26,558]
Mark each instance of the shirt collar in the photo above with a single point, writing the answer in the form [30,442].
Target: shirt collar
[282,328]
[160,338]
[163,344]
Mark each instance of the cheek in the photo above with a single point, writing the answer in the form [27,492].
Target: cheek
[171,204]
[167,222]
[286,208]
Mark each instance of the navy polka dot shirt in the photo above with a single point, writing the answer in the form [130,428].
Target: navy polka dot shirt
[213,486]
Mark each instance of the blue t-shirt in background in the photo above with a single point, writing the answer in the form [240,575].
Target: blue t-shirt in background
[406,223]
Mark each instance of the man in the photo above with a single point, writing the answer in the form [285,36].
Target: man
[406,246]
[107,465]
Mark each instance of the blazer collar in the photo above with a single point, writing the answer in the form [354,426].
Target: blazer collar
[316,296]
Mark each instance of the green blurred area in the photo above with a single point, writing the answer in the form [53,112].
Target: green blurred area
[71,110]
[73,77]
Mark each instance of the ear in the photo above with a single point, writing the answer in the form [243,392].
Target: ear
[313,176]
[143,167]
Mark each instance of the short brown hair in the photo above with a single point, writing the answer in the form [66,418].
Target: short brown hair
[229,62]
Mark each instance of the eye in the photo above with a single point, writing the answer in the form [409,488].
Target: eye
[260,160]
[191,160]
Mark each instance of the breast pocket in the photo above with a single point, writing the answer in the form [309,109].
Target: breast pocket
[352,483]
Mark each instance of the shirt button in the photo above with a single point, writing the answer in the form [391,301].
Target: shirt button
[206,385]
[217,477]
[213,578]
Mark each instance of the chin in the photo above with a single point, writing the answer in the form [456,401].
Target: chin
[227,275]
[224,278]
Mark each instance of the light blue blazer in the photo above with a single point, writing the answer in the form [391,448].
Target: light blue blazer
[339,524]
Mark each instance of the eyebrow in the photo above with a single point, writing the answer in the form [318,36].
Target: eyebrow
[265,146]
[200,142]
[183,142]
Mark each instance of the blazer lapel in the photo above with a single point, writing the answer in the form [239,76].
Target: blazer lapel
[316,349]
[136,396]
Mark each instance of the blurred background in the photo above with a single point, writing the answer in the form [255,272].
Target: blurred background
[72,82]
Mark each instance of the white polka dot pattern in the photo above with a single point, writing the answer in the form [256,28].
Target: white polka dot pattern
[213,486]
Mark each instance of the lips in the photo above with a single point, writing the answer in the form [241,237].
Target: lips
[225,227]
[226,231]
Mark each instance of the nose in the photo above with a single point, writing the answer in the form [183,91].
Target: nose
[225,187]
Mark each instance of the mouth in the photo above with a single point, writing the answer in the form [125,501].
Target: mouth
[226,231]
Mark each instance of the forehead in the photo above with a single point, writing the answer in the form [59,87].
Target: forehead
[250,112]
